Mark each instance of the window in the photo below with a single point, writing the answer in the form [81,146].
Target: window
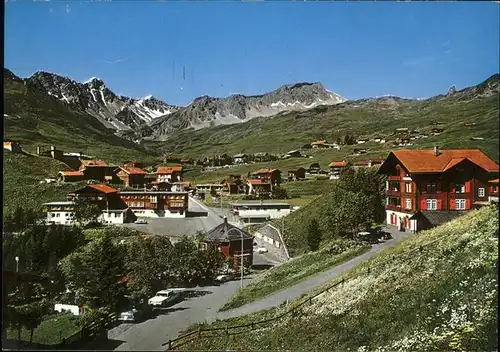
[495,189]
[431,204]
[58,215]
[408,203]
[460,204]
[408,187]
[480,192]
[459,188]
[431,188]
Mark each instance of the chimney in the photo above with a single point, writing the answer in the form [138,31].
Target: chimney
[436,150]
[225,219]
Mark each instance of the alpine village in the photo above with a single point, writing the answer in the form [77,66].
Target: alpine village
[293,220]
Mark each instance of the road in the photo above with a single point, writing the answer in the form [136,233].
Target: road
[297,290]
[151,334]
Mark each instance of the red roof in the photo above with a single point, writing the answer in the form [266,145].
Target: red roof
[168,169]
[338,164]
[71,173]
[264,171]
[94,163]
[363,162]
[426,161]
[103,188]
[131,170]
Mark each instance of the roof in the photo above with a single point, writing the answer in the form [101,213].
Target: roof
[494,181]
[436,218]
[71,173]
[226,232]
[239,155]
[319,142]
[264,171]
[103,188]
[270,232]
[338,164]
[267,204]
[362,162]
[153,192]
[417,161]
[168,169]
[94,163]
[132,170]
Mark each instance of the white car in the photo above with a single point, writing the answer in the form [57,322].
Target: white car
[225,277]
[261,250]
[166,297]
[140,222]
[129,315]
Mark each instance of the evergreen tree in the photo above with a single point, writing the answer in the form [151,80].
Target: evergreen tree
[313,235]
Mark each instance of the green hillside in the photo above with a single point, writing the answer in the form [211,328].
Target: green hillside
[362,118]
[437,290]
[21,181]
[36,118]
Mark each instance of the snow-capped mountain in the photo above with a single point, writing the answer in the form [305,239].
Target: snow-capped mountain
[93,97]
[206,111]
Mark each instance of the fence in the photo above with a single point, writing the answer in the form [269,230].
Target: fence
[83,335]
[201,332]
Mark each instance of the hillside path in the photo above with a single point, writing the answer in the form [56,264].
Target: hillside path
[306,286]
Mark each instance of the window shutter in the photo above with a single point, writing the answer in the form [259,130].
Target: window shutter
[423,204]
[452,204]
[467,204]
[439,204]
[467,187]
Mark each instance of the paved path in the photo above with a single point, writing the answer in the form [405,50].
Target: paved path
[295,291]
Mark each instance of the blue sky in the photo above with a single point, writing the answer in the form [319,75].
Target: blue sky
[357,49]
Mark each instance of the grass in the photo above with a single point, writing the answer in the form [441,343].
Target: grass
[51,330]
[295,271]
[434,291]
[21,182]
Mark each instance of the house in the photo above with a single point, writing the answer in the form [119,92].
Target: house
[52,152]
[102,195]
[156,204]
[13,146]
[240,158]
[131,176]
[169,174]
[469,124]
[298,174]
[314,168]
[377,139]
[293,154]
[98,170]
[435,180]
[259,157]
[234,185]
[207,187]
[362,163]
[228,240]
[257,212]
[320,144]
[358,151]
[336,168]
[70,176]
[59,213]
[493,191]
[264,180]
[362,141]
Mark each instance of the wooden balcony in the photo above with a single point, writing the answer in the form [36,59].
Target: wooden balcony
[394,207]
[393,193]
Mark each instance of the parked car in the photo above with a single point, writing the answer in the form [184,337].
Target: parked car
[261,250]
[130,315]
[225,277]
[140,222]
[166,297]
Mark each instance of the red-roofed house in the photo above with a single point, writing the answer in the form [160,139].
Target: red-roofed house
[336,168]
[422,181]
[263,180]
[131,176]
[70,176]
[169,174]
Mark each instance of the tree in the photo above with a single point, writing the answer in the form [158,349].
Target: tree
[86,212]
[313,235]
[20,219]
[279,193]
[93,274]
[213,192]
[339,141]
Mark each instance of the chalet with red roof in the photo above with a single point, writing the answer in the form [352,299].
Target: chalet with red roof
[131,176]
[169,174]
[70,176]
[336,168]
[428,187]
[263,180]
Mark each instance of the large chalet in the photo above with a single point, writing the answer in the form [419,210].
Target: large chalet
[426,187]
[264,180]
[169,174]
